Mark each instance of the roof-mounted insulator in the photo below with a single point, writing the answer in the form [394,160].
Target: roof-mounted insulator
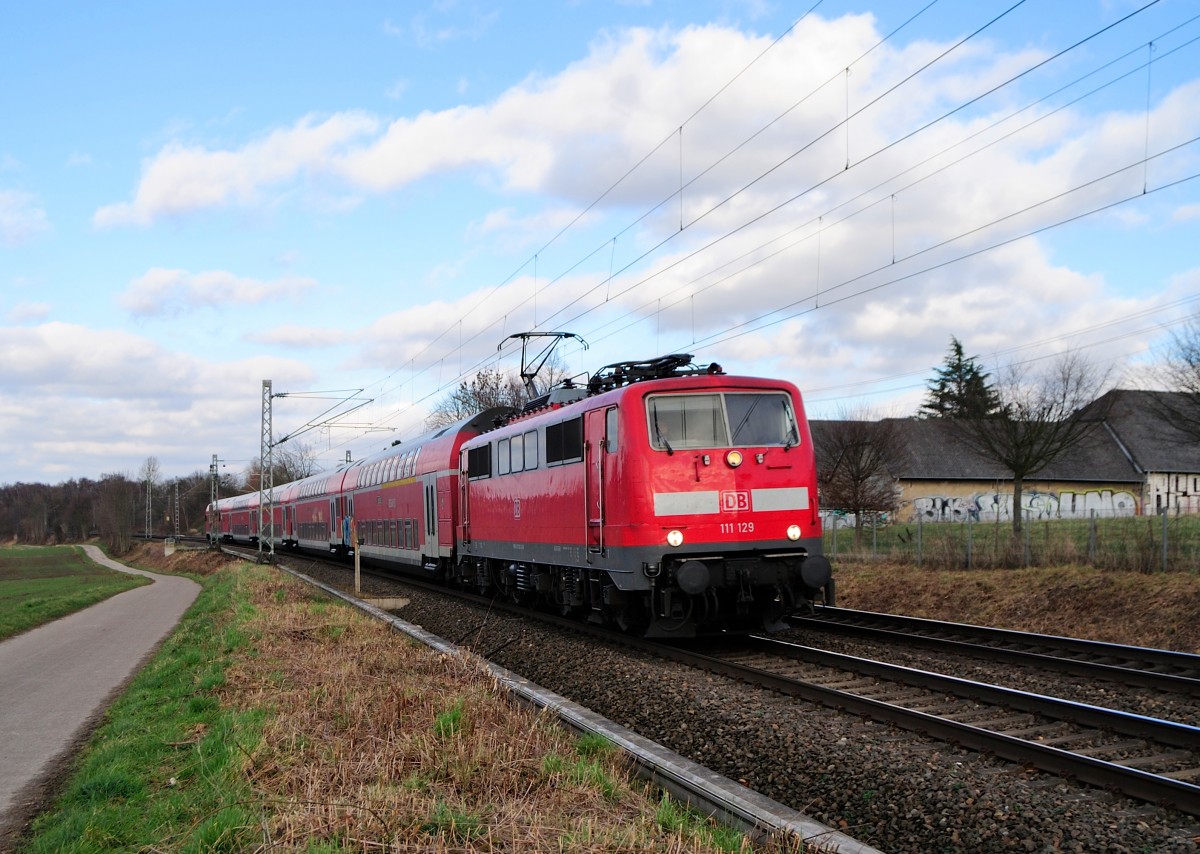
[626,373]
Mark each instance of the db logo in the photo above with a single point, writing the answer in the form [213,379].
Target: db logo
[516,508]
[734,500]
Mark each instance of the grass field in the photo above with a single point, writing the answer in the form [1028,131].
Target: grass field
[38,585]
[1159,543]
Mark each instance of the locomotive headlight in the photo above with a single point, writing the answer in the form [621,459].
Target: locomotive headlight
[734,459]
[793,532]
[675,538]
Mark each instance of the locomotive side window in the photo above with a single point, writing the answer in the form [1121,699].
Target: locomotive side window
[564,442]
[531,450]
[610,430]
[503,456]
[479,462]
[517,445]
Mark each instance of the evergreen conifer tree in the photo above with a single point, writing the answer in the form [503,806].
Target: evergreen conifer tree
[960,389]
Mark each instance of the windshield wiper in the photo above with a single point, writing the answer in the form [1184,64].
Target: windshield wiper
[737,432]
[658,434]
[793,437]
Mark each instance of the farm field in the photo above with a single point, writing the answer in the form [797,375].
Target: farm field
[38,585]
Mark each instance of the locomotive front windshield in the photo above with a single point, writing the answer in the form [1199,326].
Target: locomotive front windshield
[732,419]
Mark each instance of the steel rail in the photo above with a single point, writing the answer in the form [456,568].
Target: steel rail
[1185,667]
[1133,782]
[1127,723]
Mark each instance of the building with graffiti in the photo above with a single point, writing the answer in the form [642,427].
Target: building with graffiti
[1137,462]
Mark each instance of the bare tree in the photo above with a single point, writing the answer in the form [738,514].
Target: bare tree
[150,474]
[855,459]
[488,388]
[1042,416]
[295,461]
[1180,373]
[116,511]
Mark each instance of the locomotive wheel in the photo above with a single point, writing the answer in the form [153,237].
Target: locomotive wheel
[631,619]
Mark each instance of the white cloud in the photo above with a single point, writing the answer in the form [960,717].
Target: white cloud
[21,218]
[182,179]
[166,291]
[302,337]
[396,91]
[442,23]
[864,265]
[25,312]
[117,398]
[1186,212]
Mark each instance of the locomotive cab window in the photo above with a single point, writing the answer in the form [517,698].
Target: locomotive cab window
[733,419]
[479,462]
[564,442]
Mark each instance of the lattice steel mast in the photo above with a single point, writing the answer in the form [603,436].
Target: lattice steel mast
[266,479]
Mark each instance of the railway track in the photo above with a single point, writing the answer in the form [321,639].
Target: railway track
[1146,758]
[1164,670]
[1142,757]
[705,791]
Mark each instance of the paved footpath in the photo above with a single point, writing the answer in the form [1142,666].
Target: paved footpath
[56,679]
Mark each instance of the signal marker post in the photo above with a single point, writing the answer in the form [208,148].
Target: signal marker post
[357,560]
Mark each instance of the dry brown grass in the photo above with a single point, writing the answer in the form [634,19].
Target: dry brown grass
[198,561]
[375,743]
[1159,610]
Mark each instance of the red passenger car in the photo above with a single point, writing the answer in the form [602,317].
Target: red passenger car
[403,500]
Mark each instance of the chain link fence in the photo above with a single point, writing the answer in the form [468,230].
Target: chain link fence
[1166,542]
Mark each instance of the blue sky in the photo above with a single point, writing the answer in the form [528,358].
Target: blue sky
[197,197]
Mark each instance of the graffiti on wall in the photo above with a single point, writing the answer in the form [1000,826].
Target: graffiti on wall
[992,506]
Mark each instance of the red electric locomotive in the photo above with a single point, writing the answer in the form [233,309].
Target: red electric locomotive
[663,498]
[666,499]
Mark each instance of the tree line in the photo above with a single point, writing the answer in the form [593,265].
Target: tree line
[114,508]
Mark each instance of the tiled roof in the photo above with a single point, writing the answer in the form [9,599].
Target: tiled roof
[1156,444]
[1132,441]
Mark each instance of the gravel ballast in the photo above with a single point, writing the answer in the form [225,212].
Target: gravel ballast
[894,790]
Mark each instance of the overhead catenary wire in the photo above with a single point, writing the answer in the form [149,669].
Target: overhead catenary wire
[632,169]
[417,370]
[690,293]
